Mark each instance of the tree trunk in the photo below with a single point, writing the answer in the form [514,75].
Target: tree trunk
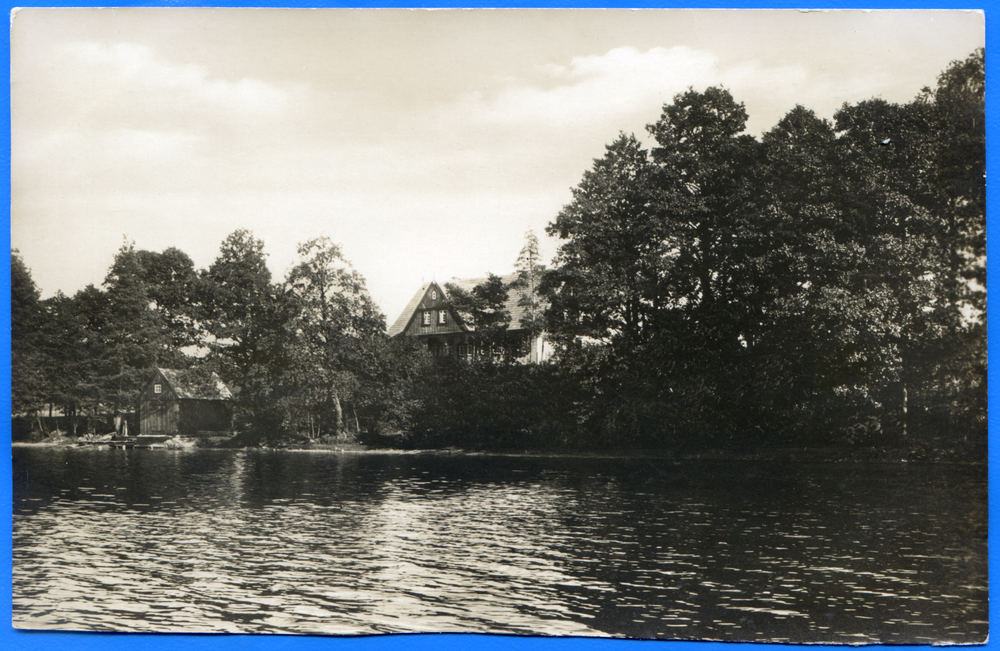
[339,419]
[905,408]
[357,425]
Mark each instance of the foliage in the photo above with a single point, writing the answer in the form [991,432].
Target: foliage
[612,277]
[493,407]
[824,281]
[26,317]
[821,286]
[484,310]
[336,330]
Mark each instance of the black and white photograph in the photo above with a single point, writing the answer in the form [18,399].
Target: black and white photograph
[653,324]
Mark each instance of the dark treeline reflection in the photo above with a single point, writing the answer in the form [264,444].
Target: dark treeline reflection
[821,286]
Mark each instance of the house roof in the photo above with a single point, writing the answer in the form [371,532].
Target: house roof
[514,295]
[193,383]
[404,318]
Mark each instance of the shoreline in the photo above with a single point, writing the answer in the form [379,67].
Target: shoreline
[791,455]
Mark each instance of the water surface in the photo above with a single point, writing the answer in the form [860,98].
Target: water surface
[320,542]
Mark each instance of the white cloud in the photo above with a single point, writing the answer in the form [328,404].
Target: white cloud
[137,72]
[625,89]
[421,164]
[594,89]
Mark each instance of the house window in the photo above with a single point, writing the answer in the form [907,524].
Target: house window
[463,351]
[442,317]
[434,294]
[427,318]
[157,388]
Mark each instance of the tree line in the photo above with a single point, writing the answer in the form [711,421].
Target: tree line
[823,285]
[306,355]
[827,276]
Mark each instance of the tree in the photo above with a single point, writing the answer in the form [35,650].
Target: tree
[27,380]
[895,218]
[614,288]
[336,326]
[959,174]
[701,149]
[246,319]
[484,310]
[238,298]
[613,275]
[72,346]
[126,335]
[774,246]
[528,281]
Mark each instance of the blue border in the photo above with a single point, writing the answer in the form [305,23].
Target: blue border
[11,638]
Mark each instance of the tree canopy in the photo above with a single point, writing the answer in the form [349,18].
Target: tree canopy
[823,285]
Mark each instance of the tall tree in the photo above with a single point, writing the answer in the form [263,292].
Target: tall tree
[246,319]
[27,381]
[73,347]
[960,175]
[527,282]
[702,149]
[613,274]
[960,108]
[892,224]
[239,299]
[336,326]
[131,335]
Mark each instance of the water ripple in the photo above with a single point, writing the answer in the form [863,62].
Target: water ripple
[348,544]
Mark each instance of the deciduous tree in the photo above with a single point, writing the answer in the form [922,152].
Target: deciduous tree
[336,327]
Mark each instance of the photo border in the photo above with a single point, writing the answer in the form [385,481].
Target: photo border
[20,640]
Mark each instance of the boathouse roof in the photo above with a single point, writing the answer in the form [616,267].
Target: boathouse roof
[196,384]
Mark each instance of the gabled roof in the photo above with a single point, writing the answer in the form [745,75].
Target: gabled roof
[195,384]
[514,295]
[404,318]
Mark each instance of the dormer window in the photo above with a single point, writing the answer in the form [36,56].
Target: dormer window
[157,388]
[427,318]
[442,317]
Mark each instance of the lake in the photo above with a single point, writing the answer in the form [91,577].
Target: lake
[263,541]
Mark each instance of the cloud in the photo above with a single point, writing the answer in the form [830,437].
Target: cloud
[594,89]
[417,179]
[625,88]
[135,72]
[114,101]
[96,117]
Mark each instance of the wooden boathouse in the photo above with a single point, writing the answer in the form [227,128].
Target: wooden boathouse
[188,403]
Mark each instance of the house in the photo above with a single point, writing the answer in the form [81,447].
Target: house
[430,317]
[185,403]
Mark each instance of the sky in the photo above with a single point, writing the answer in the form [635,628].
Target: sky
[425,143]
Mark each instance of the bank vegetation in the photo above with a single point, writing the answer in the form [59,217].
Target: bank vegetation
[822,285]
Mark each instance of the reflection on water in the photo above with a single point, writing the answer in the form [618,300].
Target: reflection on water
[307,542]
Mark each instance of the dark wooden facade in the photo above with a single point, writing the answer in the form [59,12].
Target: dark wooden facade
[429,317]
[185,403]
